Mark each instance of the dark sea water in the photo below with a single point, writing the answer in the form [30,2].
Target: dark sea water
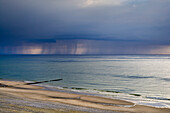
[148,76]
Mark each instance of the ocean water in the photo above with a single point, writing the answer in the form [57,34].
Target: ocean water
[143,79]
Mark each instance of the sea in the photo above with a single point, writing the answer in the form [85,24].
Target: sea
[142,79]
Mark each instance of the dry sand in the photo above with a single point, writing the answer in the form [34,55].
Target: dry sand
[19,89]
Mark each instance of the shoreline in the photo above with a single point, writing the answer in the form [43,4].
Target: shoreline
[19,89]
[131,97]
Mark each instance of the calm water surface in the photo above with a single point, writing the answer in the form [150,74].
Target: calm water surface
[147,75]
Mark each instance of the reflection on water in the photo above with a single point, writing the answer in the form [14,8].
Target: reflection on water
[147,75]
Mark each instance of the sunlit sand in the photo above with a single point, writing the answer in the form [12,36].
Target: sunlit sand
[20,89]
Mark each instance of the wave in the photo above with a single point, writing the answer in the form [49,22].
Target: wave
[121,76]
[133,76]
[166,79]
[160,102]
[158,98]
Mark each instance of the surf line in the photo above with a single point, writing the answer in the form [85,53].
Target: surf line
[102,103]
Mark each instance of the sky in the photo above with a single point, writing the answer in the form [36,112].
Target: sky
[84,27]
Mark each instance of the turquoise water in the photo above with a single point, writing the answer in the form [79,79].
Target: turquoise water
[145,75]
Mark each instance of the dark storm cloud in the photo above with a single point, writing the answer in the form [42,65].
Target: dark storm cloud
[95,26]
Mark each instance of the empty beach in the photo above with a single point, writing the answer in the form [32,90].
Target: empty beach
[21,91]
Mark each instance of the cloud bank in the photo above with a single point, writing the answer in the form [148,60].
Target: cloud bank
[84,26]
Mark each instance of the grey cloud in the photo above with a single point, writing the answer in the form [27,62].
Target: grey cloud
[120,25]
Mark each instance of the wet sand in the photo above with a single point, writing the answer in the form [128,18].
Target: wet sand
[26,92]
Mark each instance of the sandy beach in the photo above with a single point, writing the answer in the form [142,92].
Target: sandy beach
[19,90]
